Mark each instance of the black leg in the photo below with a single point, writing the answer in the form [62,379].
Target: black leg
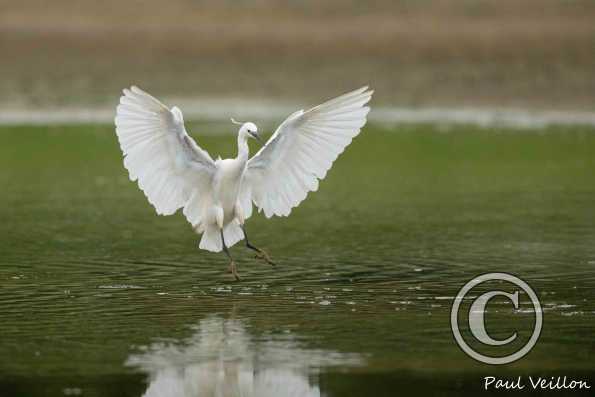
[259,253]
[232,265]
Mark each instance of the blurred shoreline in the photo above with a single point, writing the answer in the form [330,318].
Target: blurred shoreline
[510,54]
[273,112]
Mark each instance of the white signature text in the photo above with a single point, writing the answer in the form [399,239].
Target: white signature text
[535,383]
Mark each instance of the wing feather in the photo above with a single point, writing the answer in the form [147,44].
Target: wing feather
[168,164]
[301,151]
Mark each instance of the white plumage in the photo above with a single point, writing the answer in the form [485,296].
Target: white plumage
[301,152]
[217,196]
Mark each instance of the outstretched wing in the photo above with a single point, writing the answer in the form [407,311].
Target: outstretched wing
[301,151]
[169,166]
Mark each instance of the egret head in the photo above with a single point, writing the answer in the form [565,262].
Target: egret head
[249,129]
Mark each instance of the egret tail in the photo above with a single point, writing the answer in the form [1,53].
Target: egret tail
[211,238]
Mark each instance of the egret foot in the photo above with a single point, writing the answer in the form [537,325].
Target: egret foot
[233,269]
[261,254]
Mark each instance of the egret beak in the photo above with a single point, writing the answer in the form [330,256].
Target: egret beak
[257,137]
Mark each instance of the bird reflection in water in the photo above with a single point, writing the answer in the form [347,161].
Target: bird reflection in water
[221,359]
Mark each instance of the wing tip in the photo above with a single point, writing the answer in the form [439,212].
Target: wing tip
[367,92]
[137,90]
[364,90]
[133,89]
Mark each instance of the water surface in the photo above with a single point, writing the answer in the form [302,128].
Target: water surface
[99,296]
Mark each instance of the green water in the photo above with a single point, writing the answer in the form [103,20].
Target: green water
[101,297]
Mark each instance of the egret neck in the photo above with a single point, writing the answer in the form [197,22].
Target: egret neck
[243,149]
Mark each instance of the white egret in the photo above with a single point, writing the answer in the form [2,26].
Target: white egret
[217,195]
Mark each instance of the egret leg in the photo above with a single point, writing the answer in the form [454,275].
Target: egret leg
[260,254]
[233,269]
